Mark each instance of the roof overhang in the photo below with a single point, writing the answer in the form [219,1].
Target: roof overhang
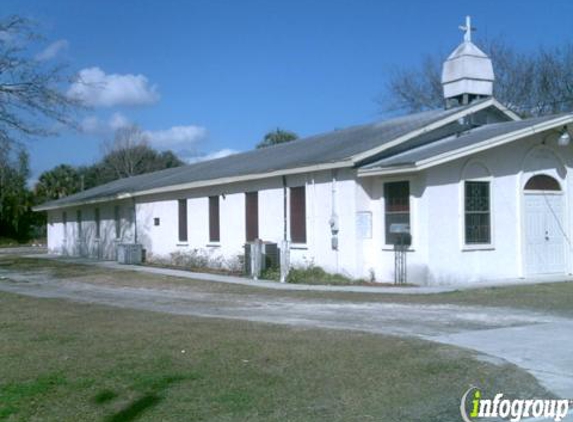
[436,125]
[350,162]
[199,184]
[466,151]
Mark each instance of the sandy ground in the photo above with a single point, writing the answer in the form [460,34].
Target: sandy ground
[537,342]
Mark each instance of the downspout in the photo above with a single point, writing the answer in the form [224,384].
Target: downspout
[333,222]
[284,208]
[284,247]
[134,222]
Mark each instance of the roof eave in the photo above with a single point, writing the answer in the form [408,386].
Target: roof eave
[428,128]
[201,184]
[464,152]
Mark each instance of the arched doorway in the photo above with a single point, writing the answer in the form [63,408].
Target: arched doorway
[545,234]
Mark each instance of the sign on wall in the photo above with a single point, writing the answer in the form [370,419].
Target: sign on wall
[364,225]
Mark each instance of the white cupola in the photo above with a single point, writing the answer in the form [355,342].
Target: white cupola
[467,74]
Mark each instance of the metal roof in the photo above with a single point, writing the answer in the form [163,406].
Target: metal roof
[328,148]
[456,142]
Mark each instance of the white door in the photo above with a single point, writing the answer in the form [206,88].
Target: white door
[545,235]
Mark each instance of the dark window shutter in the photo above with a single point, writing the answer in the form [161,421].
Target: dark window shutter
[214,228]
[79,221]
[98,222]
[117,217]
[252,215]
[298,215]
[183,220]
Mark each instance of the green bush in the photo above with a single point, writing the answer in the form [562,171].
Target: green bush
[317,275]
[273,274]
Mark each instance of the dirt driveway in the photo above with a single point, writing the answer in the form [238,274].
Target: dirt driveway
[535,341]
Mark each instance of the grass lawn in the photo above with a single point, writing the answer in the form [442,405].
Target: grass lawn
[63,361]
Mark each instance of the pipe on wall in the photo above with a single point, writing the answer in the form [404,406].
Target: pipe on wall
[284,208]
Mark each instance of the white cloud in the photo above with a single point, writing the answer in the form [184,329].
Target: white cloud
[225,152]
[117,121]
[52,50]
[96,88]
[176,136]
[93,125]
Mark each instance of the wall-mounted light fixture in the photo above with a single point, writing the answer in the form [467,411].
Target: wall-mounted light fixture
[565,138]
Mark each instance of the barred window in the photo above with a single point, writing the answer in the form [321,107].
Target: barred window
[396,207]
[477,213]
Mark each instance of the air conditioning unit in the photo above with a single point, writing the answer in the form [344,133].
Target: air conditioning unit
[129,253]
[269,257]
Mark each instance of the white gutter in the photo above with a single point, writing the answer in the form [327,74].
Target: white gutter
[201,184]
[472,149]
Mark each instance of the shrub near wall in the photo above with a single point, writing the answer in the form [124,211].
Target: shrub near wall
[317,275]
[200,260]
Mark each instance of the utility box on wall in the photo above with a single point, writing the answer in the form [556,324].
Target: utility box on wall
[129,253]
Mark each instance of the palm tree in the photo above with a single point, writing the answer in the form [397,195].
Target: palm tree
[61,181]
[278,136]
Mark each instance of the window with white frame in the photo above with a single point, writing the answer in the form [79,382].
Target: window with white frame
[477,212]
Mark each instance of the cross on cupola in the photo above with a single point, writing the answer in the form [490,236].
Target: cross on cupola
[468,28]
[467,74]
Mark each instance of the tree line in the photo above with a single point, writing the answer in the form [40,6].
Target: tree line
[129,154]
[33,102]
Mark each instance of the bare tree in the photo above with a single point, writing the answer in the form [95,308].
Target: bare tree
[130,154]
[31,98]
[126,153]
[31,101]
[535,83]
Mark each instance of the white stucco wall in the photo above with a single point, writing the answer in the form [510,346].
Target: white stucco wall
[447,258]
[65,238]
[437,254]
[162,240]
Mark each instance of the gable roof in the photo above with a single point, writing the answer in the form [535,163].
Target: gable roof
[458,145]
[336,149]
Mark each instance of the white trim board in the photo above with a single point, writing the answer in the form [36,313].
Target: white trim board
[469,150]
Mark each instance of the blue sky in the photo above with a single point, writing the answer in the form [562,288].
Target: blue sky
[205,77]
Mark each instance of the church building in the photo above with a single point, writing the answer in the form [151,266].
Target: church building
[484,194]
